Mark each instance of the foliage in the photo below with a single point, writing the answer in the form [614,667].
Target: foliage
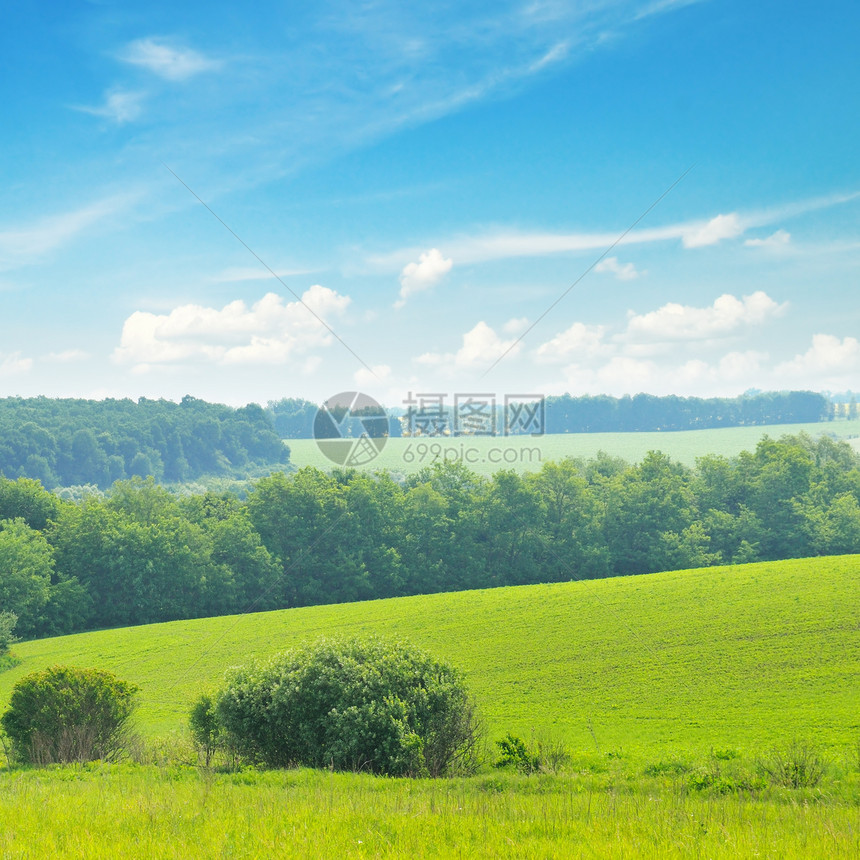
[205,729]
[64,714]
[540,755]
[352,704]
[8,620]
[26,565]
[141,554]
[798,764]
[79,442]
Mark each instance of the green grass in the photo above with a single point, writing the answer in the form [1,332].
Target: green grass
[737,657]
[652,681]
[487,455]
[123,811]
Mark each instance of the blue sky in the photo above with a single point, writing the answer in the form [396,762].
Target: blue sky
[429,179]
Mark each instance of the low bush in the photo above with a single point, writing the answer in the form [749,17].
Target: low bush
[350,704]
[539,755]
[796,765]
[66,714]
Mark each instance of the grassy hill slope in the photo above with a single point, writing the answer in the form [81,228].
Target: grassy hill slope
[486,455]
[720,657]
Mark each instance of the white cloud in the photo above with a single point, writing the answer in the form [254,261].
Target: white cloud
[828,355]
[167,61]
[428,271]
[13,364]
[507,244]
[22,245]
[682,322]
[741,365]
[119,105]
[718,228]
[776,240]
[481,347]
[515,325]
[622,271]
[555,54]
[577,342]
[269,332]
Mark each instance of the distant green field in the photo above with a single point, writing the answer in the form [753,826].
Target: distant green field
[487,455]
[721,657]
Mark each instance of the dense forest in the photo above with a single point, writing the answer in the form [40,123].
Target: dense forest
[141,554]
[646,412]
[75,442]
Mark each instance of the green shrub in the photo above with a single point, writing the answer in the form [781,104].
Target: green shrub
[546,755]
[351,705]
[205,729]
[797,765]
[672,767]
[513,752]
[65,714]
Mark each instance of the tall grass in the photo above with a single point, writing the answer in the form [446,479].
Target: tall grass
[175,812]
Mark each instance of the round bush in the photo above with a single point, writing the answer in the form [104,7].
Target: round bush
[384,707]
[65,714]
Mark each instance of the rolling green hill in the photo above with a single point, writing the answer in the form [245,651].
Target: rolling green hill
[719,657]
[486,455]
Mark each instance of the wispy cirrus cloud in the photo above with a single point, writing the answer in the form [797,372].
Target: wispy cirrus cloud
[166,59]
[119,106]
[693,234]
[22,245]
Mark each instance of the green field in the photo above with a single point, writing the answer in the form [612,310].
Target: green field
[487,455]
[738,657]
[644,678]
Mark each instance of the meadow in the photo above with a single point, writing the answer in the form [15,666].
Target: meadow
[103,811]
[487,455]
[737,656]
[667,689]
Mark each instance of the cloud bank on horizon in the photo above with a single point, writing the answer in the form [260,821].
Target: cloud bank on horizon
[443,186]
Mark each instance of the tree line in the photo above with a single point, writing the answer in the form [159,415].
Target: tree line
[294,418]
[141,554]
[65,442]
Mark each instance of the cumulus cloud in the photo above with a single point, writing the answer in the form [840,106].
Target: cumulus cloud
[428,271]
[481,347]
[120,106]
[515,325]
[12,364]
[776,240]
[828,354]
[718,228]
[271,331]
[167,61]
[577,342]
[682,322]
[622,271]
